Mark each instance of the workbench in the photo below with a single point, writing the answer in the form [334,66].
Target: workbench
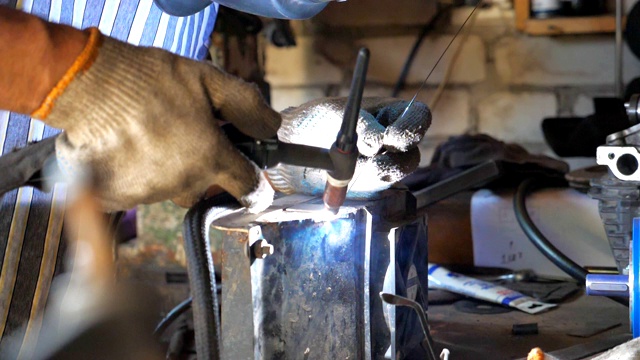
[476,336]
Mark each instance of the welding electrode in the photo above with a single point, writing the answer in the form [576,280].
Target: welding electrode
[344,152]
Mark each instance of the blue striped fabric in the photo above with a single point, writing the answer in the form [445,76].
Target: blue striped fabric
[31,224]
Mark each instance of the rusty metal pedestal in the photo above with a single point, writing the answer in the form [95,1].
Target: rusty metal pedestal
[317,295]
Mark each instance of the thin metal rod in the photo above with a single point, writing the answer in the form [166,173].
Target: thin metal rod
[397,300]
[619,83]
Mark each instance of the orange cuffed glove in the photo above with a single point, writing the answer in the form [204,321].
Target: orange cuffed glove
[141,123]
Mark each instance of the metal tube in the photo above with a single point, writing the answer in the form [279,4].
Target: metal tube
[619,84]
[607,285]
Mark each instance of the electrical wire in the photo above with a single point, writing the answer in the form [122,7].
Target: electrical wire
[171,317]
[175,313]
[540,241]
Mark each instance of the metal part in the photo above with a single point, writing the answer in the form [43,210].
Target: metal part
[618,193]
[397,300]
[608,285]
[623,161]
[633,109]
[261,249]
[316,296]
[476,176]
[620,154]
[618,204]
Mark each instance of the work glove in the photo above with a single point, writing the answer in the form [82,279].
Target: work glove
[141,124]
[387,143]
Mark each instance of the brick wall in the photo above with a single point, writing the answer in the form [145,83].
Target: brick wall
[503,82]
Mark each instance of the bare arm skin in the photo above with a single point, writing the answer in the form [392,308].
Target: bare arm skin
[36,54]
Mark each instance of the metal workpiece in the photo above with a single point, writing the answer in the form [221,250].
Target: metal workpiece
[258,245]
[618,204]
[397,300]
[623,161]
[629,136]
[607,285]
[633,109]
[261,249]
[618,193]
[317,295]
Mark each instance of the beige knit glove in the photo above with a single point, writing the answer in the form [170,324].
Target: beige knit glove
[142,123]
[387,142]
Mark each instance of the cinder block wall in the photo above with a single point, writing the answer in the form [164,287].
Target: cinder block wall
[502,83]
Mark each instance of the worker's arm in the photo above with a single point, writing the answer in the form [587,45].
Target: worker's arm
[140,123]
[35,56]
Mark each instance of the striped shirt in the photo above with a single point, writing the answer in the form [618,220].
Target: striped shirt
[31,222]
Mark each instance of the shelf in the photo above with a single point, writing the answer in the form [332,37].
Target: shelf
[561,25]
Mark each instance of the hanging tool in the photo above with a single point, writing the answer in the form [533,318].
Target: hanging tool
[397,300]
[339,161]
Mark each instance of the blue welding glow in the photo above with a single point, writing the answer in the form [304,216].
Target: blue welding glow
[336,232]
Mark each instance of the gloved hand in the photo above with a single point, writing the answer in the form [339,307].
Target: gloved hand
[387,144]
[143,124]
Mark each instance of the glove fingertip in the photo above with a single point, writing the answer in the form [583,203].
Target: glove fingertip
[260,198]
[407,131]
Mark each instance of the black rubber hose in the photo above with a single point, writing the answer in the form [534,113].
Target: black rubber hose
[541,242]
[538,239]
[206,320]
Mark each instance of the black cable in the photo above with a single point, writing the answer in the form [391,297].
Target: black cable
[541,242]
[175,313]
[172,316]
[426,29]
[206,320]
